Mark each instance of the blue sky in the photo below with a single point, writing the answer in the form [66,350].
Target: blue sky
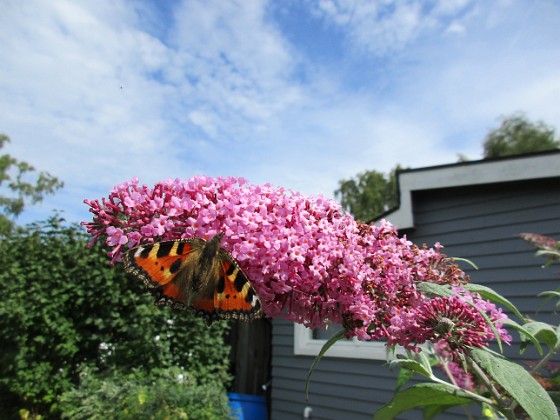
[300,94]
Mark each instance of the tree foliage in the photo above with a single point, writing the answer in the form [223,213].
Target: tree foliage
[64,308]
[516,135]
[14,178]
[368,194]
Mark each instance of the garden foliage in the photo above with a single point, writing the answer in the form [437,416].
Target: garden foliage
[64,311]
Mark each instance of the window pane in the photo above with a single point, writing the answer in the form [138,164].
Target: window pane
[326,332]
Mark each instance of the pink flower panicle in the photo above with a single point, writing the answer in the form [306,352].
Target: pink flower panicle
[543,243]
[307,260]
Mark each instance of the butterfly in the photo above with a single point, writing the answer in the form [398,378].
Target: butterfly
[195,273]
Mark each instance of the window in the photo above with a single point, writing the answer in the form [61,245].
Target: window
[309,343]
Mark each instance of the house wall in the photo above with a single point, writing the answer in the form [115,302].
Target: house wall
[339,388]
[480,223]
[483,225]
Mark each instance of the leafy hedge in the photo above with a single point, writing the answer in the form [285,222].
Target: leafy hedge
[164,394]
[63,308]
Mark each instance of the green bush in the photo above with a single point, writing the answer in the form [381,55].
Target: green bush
[165,394]
[63,307]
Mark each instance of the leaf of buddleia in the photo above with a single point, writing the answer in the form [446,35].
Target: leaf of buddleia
[432,411]
[550,293]
[434,289]
[472,264]
[542,332]
[518,383]
[547,253]
[487,293]
[336,337]
[403,378]
[413,366]
[525,335]
[422,395]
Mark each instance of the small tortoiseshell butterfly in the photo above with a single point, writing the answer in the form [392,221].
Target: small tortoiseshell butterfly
[195,273]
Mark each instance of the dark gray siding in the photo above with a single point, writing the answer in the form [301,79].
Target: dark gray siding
[479,223]
[483,225]
[339,388]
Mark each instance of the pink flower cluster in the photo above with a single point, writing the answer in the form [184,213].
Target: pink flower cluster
[454,320]
[307,260]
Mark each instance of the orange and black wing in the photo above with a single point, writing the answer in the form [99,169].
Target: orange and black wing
[170,270]
[234,296]
[161,266]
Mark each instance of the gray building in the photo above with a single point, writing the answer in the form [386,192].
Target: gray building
[476,210]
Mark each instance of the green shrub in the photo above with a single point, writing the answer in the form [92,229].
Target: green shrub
[63,307]
[165,394]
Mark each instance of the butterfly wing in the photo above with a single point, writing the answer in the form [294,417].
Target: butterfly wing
[166,268]
[178,275]
[233,296]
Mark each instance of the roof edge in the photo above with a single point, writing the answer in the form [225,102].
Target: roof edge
[486,171]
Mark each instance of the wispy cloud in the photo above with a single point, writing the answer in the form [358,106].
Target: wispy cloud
[383,27]
[98,92]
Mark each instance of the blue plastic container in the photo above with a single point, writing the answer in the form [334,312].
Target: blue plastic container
[248,407]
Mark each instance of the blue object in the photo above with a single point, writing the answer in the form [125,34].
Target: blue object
[247,407]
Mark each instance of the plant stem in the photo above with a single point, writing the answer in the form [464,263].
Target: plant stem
[470,394]
[506,411]
[445,364]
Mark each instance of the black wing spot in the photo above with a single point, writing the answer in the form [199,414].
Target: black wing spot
[180,248]
[249,296]
[230,269]
[164,249]
[220,287]
[176,265]
[240,281]
[145,252]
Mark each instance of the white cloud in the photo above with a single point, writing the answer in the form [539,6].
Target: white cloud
[455,28]
[99,92]
[82,81]
[386,26]
[239,65]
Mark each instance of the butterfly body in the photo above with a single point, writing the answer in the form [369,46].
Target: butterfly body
[195,273]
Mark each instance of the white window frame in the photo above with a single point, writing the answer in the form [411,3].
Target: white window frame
[306,345]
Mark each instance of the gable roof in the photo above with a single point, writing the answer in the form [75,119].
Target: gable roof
[470,173]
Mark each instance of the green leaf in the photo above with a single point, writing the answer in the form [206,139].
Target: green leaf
[404,377]
[413,366]
[336,337]
[473,265]
[518,383]
[525,335]
[487,293]
[550,293]
[422,395]
[543,332]
[51,324]
[434,289]
[431,411]
[547,253]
